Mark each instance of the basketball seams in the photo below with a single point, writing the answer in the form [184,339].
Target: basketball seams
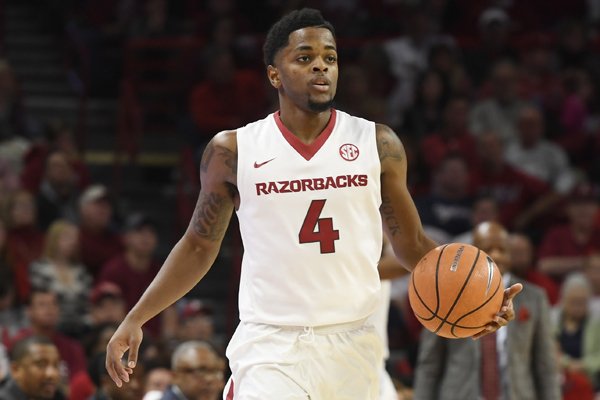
[433,313]
[445,319]
[455,324]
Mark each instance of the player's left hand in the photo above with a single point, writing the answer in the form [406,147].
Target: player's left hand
[506,314]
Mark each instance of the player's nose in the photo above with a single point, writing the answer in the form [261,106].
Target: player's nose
[319,65]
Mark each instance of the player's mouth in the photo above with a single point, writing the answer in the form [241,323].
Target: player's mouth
[321,84]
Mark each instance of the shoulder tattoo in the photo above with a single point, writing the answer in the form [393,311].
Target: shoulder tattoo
[388,144]
[228,157]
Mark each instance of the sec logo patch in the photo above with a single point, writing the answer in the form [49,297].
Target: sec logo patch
[349,152]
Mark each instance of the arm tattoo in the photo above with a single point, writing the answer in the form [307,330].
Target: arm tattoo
[207,156]
[388,146]
[387,211]
[211,216]
[229,157]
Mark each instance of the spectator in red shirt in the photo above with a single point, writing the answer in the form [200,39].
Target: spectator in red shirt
[454,137]
[574,385]
[522,265]
[44,312]
[134,269]
[57,198]
[59,137]
[521,199]
[227,97]
[99,242]
[24,241]
[564,248]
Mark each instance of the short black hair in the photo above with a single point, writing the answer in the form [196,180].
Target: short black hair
[20,349]
[278,35]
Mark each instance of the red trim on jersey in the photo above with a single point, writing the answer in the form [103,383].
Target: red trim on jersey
[306,150]
[230,392]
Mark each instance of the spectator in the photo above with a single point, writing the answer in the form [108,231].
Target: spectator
[574,50]
[426,116]
[355,97]
[523,266]
[44,313]
[564,248]
[157,380]
[538,157]
[500,112]
[154,21]
[577,128]
[196,322]
[35,371]
[60,271]
[107,305]
[408,55]
[485,209]
[448,207]
[99,241]
[58,137]
[24,241]
[134,269]
[539,80]
[452,138]
[12,315]
[523,352]
[575,385]
[14,141]
[107,390]
[210,102]
[494,28]
[58,191]
[9,179]
[591,268]
[444,59]
[521,199]
[197,373]
[578,333]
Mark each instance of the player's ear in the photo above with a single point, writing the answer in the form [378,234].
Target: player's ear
[273,75]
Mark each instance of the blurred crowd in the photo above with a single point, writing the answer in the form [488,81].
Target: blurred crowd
[496,104]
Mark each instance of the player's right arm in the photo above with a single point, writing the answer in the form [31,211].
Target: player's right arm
[190,259]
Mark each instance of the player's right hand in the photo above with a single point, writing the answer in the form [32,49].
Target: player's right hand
[127,337]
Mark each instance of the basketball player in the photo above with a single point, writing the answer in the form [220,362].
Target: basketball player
[308,184]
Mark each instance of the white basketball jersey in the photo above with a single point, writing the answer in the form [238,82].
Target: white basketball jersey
[310,223]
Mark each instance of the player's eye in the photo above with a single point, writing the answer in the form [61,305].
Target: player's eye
[303,59]
[331,59]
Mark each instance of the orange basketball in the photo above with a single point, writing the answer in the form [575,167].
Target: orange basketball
[455,290]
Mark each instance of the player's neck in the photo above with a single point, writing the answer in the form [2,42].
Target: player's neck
[305,125]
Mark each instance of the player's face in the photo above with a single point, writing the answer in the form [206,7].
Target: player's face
[38,373]
[306,70]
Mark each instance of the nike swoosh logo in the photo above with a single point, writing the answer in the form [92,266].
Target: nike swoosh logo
[490,265]
[258,165]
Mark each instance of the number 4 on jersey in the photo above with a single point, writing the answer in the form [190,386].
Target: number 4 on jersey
[315,229]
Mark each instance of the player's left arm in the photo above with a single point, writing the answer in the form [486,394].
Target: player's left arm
[402,223]
[400,217]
